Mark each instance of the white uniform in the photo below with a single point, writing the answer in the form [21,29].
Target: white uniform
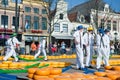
[41,49]
[78,36]
[11,42]
[88,42]
[102,43]
[108,44]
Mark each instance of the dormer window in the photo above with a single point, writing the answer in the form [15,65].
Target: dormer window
[61,16]
[81,18]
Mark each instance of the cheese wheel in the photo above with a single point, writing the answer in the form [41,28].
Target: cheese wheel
[32,70]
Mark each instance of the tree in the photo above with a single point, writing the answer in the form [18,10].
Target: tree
[48,5]
[96,6]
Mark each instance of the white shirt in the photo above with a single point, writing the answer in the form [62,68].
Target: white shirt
[105,41]
[42,43]
[88,39]
[13,41]
[76,36]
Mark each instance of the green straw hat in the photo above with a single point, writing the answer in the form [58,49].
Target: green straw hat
[14,34]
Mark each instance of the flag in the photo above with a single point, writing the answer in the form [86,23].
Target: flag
[49,30]
[26,25]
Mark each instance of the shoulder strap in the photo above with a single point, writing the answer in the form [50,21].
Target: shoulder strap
[88,38]
[80,39]
[12,41]
[101,40]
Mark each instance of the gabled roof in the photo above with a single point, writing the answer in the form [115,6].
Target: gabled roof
[85,8]
[72,17]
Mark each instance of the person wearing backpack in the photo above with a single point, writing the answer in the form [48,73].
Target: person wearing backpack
[12,44]
[89,42]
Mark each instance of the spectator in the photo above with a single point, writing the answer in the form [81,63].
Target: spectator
[54,48]
[73,48]
[112,48]
[119,47]
[116,47]
[33,48]
[63,48]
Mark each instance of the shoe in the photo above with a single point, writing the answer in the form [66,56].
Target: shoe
[89,67]
[83,69]
[100,70]
[103,65]
[18,61]
[45,59]
[79,68]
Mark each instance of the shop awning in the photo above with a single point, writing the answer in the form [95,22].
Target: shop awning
[63,37]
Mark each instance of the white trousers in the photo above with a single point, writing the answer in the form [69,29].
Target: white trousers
[11,52]
[89,50]
[79,58]
[39,51]
[108,51]
[102,53]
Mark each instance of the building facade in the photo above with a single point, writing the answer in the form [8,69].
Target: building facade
[107,19]
[63,24]
[32,19]
[35,22]
[98,14]
[7,19]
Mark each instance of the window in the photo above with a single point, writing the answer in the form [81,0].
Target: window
[44,11]
[36,22]
[4,20]
[82,19]
[61,16]
[44,23]
[28,20]
[13,21]
[36,10]
[114,25]
[36,38]
[28,38]
[65,28]
[102,23]
[109,24]
[4,2]
[27,9]
[57,27]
